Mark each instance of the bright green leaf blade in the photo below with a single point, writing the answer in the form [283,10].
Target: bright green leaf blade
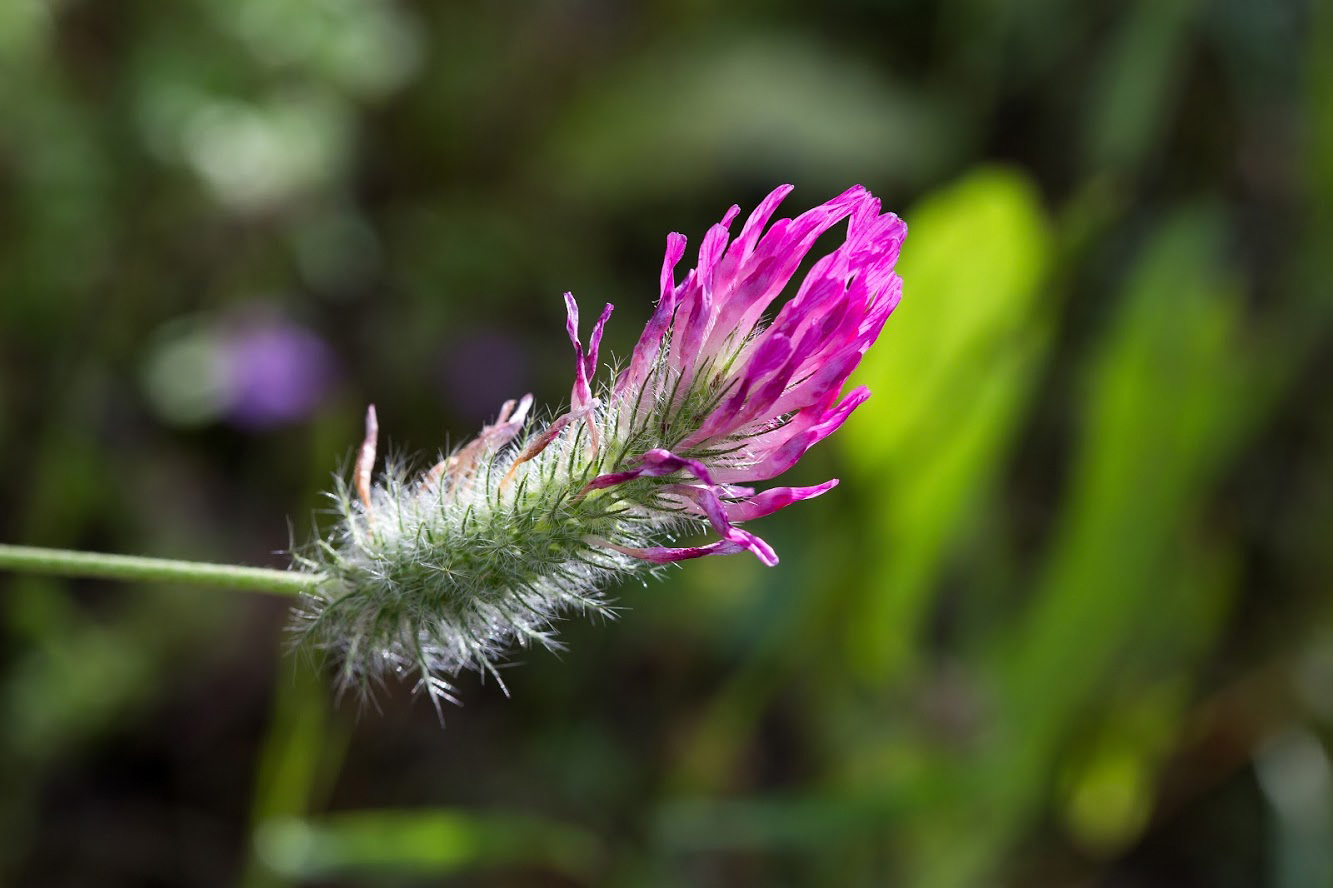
[951,379]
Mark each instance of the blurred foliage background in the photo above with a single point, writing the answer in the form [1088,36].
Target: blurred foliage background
[1065,623]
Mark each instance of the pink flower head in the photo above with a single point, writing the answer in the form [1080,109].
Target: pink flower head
[727,386]
[726,396]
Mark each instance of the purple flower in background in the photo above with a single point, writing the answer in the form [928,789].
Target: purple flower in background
[504,358]
[272,371]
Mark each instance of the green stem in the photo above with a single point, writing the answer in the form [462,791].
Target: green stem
[68,563]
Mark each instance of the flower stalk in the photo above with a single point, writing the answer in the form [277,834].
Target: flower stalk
[97,565]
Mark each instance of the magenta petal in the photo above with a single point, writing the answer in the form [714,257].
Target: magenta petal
[769,357]
[666,555]
[689,336]
[711,505]
[776,378]
[785,457]
[771,354]
[714,243]
[749,235]
[772,500]
[650,342]
[572,321]
[674,251]
[826,380]
[595,342]
[762,550]
[664,462]
[582,394]
[786,244]
[653,464]
[740,407]
[789,443]
[612,479]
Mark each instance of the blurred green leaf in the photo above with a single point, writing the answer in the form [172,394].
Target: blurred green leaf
[1169,392]
[1107,788]
[24,28]
[422,842]
[951,381]
[768,107]
[368,49]
[1137,83]
[821,820]
[298,761]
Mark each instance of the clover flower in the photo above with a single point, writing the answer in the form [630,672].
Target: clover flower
[446,570]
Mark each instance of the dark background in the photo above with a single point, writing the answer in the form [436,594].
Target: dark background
[1065,623]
